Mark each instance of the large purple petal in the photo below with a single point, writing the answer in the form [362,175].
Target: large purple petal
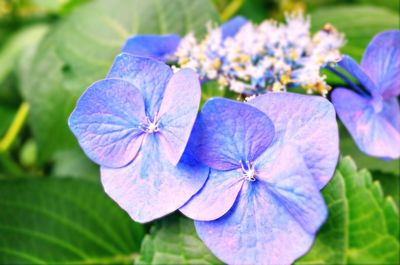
[148,75]
[151,187]
[373,124]
[352,67]
[273,221]
[308,122]
[106,122]
[155,46]
[228,132]
[178,112]
[232,27]
[381,62]
[216,197]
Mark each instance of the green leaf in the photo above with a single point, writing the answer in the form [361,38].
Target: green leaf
[63,221]
[80,50]
[362,227]
[210,89]
[17,43]
[74,163]
[173,240]
[6,116]
[390,184]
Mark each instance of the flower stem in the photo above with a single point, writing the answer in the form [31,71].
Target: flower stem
[231,9]
[347,80]
[15,127]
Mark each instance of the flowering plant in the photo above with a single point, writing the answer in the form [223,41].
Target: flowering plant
[209,132]
[249,173]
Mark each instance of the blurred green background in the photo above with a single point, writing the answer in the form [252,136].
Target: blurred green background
[50,51]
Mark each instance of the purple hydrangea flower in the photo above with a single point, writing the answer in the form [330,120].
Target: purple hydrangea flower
[232,27]
[135,124]
[373,118]
[160,47]
[269,158]
[163,47]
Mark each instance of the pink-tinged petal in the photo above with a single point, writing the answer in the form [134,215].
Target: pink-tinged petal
[151,187]
[178,112]
[154,46]
[381,62]
[352,67]
[106,122]
[228,132]
[391,112]
[374,124]
[216,197]
[307,122]
[273,221]
[150,76]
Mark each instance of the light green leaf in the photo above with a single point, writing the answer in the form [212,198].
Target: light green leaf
[362,227]
[17,43]
[63,221]
[80,50]
[74,163]
[173,240]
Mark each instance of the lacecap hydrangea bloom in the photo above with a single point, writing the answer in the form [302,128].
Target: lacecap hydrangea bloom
[269,158]
[266,57]
[371,113]
[135,124]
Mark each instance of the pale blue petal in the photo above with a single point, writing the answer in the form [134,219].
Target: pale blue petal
[307,122]
[228,132]
[155,46]
[381,62]
[216,197]
[352,67]
[148,75]
[273,221]
[178,112]
[106,122]
[374,125]
[151,187]
[391,112]
[232,27]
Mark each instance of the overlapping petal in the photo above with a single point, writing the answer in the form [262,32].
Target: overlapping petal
[273,221]
[107,122]
[374,124]
[178,112]
[231,27]
[148,75]
[228,132]
[216,197]
[381,62]
[352,67]
[154,46]
[307,122]
[151,187]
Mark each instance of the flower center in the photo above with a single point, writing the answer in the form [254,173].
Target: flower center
[152,125]
[248,171]
[377,104]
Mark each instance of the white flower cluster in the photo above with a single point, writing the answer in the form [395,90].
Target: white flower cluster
[271,56]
